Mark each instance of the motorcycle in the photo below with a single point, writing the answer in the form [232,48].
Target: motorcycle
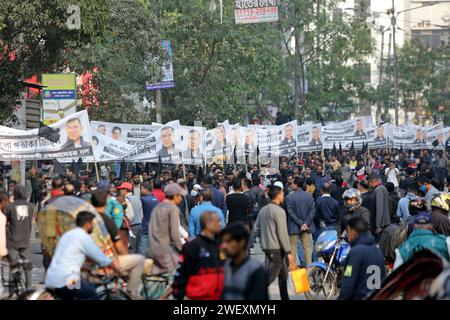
[325,276]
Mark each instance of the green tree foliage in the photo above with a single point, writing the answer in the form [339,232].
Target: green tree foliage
[35,33]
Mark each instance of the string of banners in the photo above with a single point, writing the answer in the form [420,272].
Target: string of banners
[172,143]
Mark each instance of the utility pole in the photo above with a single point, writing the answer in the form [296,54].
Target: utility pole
[158,91]
[394,48]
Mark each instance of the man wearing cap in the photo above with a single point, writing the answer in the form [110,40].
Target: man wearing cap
[165,240]
[422,238]
[196,212]
[134,214]
[114,209]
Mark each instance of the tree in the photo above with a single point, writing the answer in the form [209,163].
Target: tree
[334,52]
[222,71]
[34,39]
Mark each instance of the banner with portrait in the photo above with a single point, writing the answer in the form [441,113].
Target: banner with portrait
[218,148]
[108,149]
[132,134]
[287,139]
[268,144]
[163,144]
[380,136]
[309,138]
[192,144]
[236,137]
[346,132]
[436,139]
[74,141]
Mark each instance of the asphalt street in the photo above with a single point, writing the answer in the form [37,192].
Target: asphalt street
[38,271]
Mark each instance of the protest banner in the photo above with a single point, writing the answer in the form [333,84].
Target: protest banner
[131,134]
[74,141]
[353,131]
[309,138]
[287,139]
[163,144]
[236,136]
[380,136]
[192,144]
[255,11]
[59,97]
[268,143]
[436,139]
[250,143]
[218,149]
[108,149]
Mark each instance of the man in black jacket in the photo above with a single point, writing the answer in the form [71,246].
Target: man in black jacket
[364,268]
[352,202]
[328,210]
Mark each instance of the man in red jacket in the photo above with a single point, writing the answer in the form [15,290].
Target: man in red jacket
[200,275]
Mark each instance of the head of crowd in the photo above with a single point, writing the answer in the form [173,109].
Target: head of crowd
[201,225]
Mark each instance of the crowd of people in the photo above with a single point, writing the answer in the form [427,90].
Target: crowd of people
[203,226]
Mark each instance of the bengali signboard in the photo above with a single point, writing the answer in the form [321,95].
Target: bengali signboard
[131,134]
[59,98]
[75,141]
[255,11]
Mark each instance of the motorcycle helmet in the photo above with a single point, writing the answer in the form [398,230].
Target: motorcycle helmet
[441,201]
[416,206]
[350,194]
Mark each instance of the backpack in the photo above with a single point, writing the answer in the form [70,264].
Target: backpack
[256,198]
[391,238]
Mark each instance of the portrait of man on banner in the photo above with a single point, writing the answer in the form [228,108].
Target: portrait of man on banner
[288,145]
[168,147]
[101,129]
[419,137]
[315,136]
[380,135]
[359,130]
[250,147]
[193,150]
[74,131]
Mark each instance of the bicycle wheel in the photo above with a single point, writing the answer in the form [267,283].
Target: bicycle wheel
[113,295]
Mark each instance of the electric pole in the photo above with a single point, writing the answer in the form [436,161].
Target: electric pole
[158,91]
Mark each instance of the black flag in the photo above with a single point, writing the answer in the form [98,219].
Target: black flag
[58,169]
[235,156]
[48,133]
[334,150]
[257,156]
[352,148]
[320,117]
[340,148]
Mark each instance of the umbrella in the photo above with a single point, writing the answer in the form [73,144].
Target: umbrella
[59,216]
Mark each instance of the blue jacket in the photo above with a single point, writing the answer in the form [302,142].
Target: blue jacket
[301,209]
[149,202]
[364,257]
[328,210]
[403,206]
[218,199]
[195,214]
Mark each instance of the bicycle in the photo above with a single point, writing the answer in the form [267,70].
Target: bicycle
[110,289]
[17,286]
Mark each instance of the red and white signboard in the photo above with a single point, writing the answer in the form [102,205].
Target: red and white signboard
[254,11]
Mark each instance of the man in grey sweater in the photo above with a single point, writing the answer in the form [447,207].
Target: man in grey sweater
[165,240]
[271,228]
